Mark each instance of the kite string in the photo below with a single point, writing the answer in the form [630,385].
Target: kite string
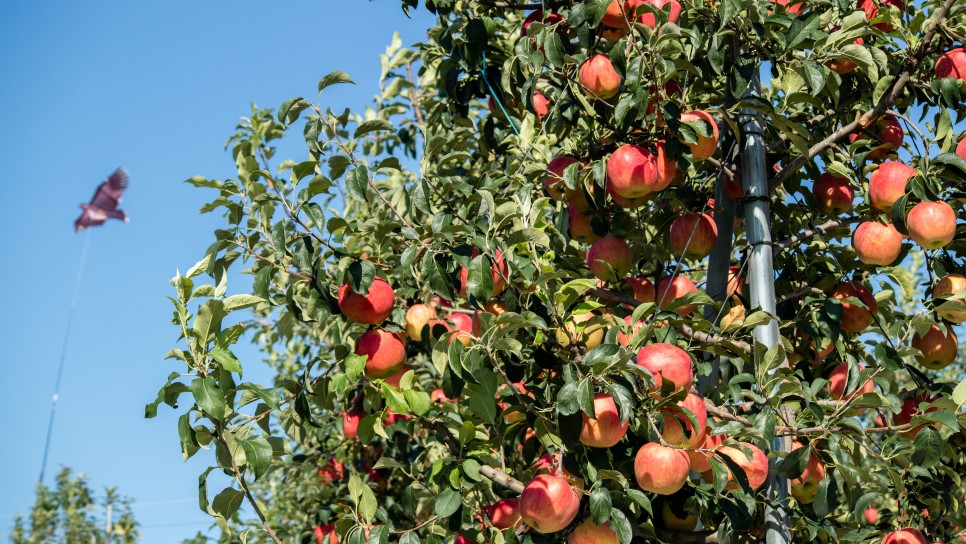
[63,354]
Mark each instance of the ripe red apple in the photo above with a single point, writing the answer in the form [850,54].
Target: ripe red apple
[660,469]
[334,470]
[588,532]
[553,181]
[950,285]
[642,287]
[372,308]
[350,424]
[938,350]
[755,467]
[876,243]
[670,289]
[325,534]
[904,536]
[961,148]
[676,423]
[548,19]
[606,429]
[888,184]
[504,513]
[580,228]
[794,9]
[693,235]
[838,379]
[699,459]
[856,318]
[706,145]
[628,203]
[671,88]
[673,14]
[666,362]
[833,195]
[633,172]
[888,136]
[438,396]
[843,66]
[619,12]
[952,64]
[871,9]
[910,408]
[463,325]
[396,378]
[871,515]
[548,503]
[598,76]
[498,271]
[541,105]
[805,487]
[461,539]
[932,225]
[610,258]
[385,352]
[417,317]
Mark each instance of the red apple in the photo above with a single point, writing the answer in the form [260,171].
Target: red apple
[610,258]
[350,424]
[642,287]
[334,470]
[856,318]
[676,423]
[385,352]
[580,228]
[693,235]
[548,503]
[660,469]
[598,76]
[628,203]
[871,9]
[904,536]
[794,9]
[706,145]
[670,289]
[325,534]
[843,66]
[673,14]
[838,379]
[877,244]
[888,136]
[438,396]
[699,459]
[606,429]
[871,515]
[952,64]
[667,362]
[619,12]
[463,324]
[833,195]
[805,486]
[888,184]
[461,539]
[504,513]
[553,181]
[755,467]
[372,308]
[548,19]
[417,317]
[938,350]
[498,271]
[396,378]
[949,285]
[588,532]
[541,105]
[961,148]
[910,408]
[932,225]
[634,172]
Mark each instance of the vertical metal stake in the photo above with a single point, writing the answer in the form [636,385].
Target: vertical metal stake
[761,279]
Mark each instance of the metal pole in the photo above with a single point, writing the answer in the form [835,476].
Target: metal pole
[761,279]
[110,528]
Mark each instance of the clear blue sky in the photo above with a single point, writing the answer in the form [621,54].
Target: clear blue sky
[156,87]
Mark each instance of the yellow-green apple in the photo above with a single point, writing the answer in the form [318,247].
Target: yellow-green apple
[588,532]
[598,76]
[754,467]
[673,14]
[417,317]
[666,362]
[910,408]
[632,172]
[932,225]
[606,429]
[372,308]
[855,317]
[876,243]
[887,133]
[706,145]
[838,380]
[678,430]
[548,503]
[580,227]
[833,194]
[504,513]
[541,105]
[904,536]
[642,288]
[325,534]
[871,9]
[591,335]
[610,258]
[350,424]
[805,487]
[938,350]
[947,286]
[553,464]
[385,352]
[670,289]
[553,182]
[674,522]
[952,64]
[888,184]
[693,235]
[660,469]
[871,515]
[498,271]
[843,66]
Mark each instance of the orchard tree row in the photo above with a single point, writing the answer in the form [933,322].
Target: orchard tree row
[525,295]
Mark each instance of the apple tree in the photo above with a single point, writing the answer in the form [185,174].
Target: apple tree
[596,271]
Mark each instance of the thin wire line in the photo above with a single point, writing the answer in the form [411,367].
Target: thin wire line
[63,354]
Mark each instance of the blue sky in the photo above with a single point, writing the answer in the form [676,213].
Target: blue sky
[157,87]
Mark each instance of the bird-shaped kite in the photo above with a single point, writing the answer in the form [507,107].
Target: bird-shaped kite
[104,204]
